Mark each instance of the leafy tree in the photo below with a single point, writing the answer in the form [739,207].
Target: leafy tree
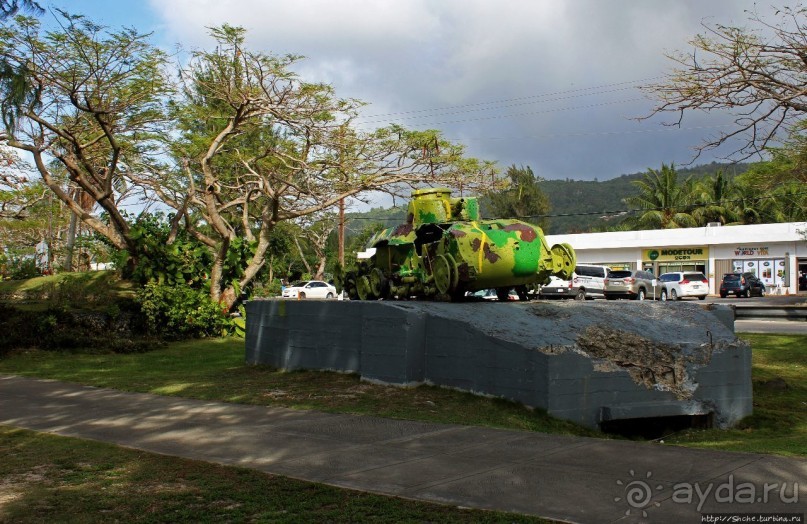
[253,145]
[260,147]
[759,78]
[93,104]
[12,7]
[524,197]
[359,242]
[315,231]
[664,201]
[714,202]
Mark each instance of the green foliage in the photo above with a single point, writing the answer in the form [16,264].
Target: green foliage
[60,329]
[663,202]
[179,311]
[237,324]
[184,261]
[18,268]
[359,242]
[523,199]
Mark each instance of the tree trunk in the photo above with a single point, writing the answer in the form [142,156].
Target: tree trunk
[71,242]
[321,269]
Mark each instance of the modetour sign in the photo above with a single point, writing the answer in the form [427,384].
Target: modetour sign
[670,254]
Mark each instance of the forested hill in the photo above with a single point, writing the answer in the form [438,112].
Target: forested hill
[577,205]
[587,202]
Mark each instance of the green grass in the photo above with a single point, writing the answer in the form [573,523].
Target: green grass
[215,370]
[779,422]
[46,478]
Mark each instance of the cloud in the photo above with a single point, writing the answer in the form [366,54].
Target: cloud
[562,71]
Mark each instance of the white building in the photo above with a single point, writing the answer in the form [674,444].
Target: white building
[777,253]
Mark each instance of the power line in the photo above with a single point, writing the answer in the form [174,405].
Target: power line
[518,99]
[545,111]
[452,111]
[595,133]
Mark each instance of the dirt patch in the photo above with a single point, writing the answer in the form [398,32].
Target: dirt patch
[650,363]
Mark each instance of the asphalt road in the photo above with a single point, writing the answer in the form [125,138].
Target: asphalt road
[783,327]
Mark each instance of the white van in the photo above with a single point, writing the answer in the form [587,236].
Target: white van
[587,282]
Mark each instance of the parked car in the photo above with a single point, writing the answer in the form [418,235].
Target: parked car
[633,284]
[681,284]
[309,289]
[491,294]
[741,285]
[587,282]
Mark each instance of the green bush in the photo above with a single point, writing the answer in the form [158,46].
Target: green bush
[19,268]
[178,311]
[59,329]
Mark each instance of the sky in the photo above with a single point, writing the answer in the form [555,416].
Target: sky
[548,84]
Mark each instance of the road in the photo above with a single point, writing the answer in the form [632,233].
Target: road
[783,327]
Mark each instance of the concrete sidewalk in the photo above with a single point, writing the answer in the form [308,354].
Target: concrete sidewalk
[559,477]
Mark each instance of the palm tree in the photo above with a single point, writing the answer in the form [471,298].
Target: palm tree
[15,84]
[663,201]
[752,205]
[715,198]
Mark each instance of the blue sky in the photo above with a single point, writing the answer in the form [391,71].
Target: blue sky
[542,83]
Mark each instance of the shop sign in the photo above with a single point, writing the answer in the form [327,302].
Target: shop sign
[751,251]
[671,254]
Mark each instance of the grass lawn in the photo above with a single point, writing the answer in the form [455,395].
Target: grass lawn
[46,478]
[215,370]
[779,422]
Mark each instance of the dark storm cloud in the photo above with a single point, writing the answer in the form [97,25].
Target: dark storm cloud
[542,83]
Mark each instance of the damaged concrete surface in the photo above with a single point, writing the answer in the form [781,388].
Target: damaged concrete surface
[587,362]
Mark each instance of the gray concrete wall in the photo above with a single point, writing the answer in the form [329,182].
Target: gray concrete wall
[544,355]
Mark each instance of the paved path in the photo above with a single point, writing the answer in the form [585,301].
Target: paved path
[561,477]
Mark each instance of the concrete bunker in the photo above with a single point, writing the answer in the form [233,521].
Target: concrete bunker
[598,364]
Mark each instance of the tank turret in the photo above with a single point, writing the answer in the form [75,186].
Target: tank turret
[444,250]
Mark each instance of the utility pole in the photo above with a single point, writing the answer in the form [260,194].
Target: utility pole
[342,232]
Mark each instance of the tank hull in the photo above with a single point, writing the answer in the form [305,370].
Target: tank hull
[444,250]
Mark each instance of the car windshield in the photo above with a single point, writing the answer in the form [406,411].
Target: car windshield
[731,277]
[619,274]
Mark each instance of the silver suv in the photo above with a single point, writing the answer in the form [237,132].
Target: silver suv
[632,284]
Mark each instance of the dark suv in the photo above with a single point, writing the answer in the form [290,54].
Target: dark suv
[742,285]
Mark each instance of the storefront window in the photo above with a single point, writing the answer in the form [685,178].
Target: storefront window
[773,272]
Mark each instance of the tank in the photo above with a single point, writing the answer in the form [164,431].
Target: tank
[445,250]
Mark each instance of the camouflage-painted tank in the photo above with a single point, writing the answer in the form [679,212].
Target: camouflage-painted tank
[444,250]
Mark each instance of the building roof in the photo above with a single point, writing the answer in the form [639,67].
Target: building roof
[691,236]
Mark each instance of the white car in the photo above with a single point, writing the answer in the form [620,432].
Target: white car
[309,289]
[678,285]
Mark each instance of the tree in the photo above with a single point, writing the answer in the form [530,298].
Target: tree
[315,231]
[524,197]
[93,106]
[12,7]
[248,145]
[757,77]
[714,202]
[259,147]
[777,185]
[663,201]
